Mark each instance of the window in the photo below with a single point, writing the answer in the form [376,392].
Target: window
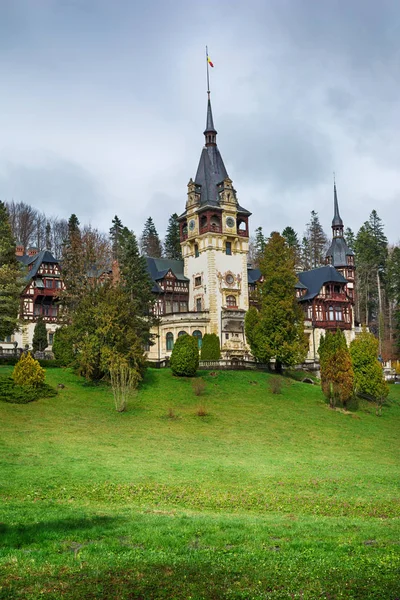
[58,284]
[339,314]
[7,339]
[183,307]
[228,248]
[51,338]
[170,340]
[176,307]
[198,305]
[231,301]
[227,336]
[197,334]
[182,333]
[196,251]
[197,280]
[49,283]
[331,314]
[168,306]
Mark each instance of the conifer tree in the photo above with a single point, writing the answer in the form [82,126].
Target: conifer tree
[259,246]
[39,340]
[350,238]
[276,328]
[48,236]
[393,292]
[172,243]
[292,241]
[115,236]
[337,375]
[10,277]
[317,241]
[150,242]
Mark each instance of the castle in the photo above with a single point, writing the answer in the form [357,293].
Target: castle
[209,290]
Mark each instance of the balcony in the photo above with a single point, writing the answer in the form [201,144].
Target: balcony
[210,229]
[332,325]
[335,296]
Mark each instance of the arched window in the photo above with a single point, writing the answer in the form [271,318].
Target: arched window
[331,314]
[197,334]
[170,340]
[231,301]
[182,333]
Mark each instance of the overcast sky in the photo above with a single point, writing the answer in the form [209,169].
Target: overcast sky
[103,106]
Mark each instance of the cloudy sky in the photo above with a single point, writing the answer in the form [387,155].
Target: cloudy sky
[103,106]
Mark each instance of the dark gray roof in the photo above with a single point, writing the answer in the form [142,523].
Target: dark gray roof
[159,267]
[337,252]
[210,121]
[210,172]
[44,256]
[253,275]
[314,280]
[336,221]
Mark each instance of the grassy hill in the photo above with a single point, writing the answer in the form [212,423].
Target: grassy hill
[267,496]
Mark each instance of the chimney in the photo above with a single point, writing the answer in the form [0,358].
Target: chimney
[19,250]
[32,251]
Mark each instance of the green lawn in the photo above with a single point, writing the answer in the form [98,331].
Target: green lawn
[269,496]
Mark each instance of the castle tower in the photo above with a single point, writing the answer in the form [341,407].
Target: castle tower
[339,254]
[214,235]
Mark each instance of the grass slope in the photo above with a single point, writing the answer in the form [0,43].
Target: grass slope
[268,496]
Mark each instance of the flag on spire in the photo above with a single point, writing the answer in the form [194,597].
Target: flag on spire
[209,61]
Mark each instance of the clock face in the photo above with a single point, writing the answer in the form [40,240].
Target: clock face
[230,222]
[191,225]
[229,279]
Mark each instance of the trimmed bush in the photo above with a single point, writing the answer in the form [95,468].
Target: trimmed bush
[185,356]
[39,340]
[28,372]
[63,346]
[210,348]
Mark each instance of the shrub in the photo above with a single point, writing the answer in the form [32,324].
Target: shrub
[275,385]
[337,375]
[39,340]
[28,372]
[18,394]
[63,346]
[124,380]
[210,348]
[199,385]
[201,411]
[368,373]
[185,356]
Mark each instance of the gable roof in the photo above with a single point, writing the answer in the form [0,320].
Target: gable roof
[44,256]
[314,280]
[159,267]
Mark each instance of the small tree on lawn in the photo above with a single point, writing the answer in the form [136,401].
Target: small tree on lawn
[210,348]
[185,356]
[28,371]
[337,375]
[39,340]
[63,345]
[368,373]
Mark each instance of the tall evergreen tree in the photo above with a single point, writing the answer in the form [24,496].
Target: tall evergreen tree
[276,328]
[393,293]
[115,236]
[39,340]
[317,241]
[48,236]
[292,241]
[350,238]
[172,243]
[10,277]
[136,282]
[371,258]
[150,242]
[259,246]
[305,255]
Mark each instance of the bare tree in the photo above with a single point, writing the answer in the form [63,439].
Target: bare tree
[23,221]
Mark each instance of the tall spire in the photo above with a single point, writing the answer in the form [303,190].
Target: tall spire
[337,223]
[210,132]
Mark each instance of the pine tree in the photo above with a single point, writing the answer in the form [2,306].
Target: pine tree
[10,277]
[292,241]
[150,242]
[259,246]
[305,255]
[317,241]
[115,236]
[73,269]
[337,375]
[39,340]
[48,236]
[276,329]
[172,244]
[393,293]
[350,238]
[136,282]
